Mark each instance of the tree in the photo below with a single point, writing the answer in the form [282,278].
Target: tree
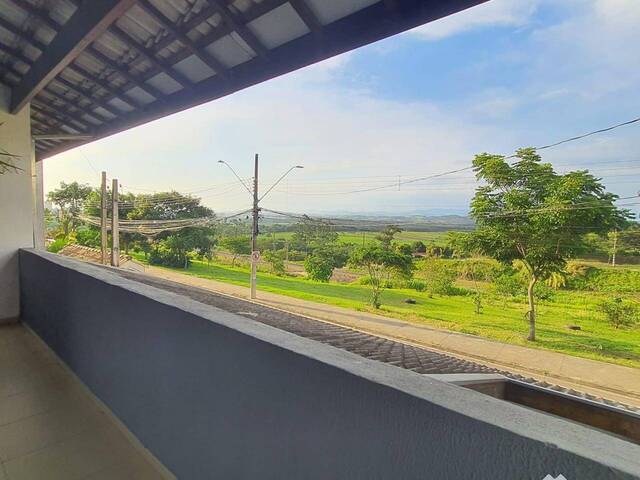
[69,198]
[418,247]
[527,212]
[321,263]
[386,236]
[276,260]
[318,267]
[381,264]
[236,245]
[310,235]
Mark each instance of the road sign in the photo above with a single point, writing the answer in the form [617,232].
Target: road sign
[255,256]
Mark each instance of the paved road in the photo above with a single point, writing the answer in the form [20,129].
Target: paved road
[383,348]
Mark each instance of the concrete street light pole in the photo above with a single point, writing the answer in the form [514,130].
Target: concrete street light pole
[255,254]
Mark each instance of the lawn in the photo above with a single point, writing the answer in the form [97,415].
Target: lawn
[436,238]
[501,319]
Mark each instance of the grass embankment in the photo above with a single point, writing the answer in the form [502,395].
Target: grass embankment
[502,319]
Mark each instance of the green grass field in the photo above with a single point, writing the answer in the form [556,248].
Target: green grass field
[437,238]
[502,319]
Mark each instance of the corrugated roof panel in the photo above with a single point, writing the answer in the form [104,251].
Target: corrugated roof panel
[136,93]
[328,12]
[164,83]
[205,27]
[90,119]
[278,27]
[105,113]
[172,9]
[243,5]
[60,10]
[229,51]
[120,105]
[140,26]
[194,69]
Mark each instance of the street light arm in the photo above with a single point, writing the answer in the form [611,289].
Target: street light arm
[279,180]
[237,176]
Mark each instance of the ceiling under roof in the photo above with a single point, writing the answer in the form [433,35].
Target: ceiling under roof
[96,67]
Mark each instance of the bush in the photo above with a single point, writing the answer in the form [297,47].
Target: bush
[438,277]
[603,280]
[57,245]
[366,280]
[276,261]
[620,313]
[417,285]
[509,285]
[165,257]
[479,269]
[318,267]
[88,237]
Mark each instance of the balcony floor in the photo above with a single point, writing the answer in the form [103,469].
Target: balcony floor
[50,427]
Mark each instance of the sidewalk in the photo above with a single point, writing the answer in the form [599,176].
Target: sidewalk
[598,378]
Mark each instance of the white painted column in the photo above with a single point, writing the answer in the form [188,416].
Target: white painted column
[38,191]
[16,203]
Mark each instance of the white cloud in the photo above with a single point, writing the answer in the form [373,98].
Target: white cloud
[333,131]
[495,13]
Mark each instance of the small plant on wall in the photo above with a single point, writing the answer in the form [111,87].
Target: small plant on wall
[7,160]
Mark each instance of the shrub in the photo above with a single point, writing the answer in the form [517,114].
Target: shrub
[57,245]
[509,285]
[438,276]
[620,313]
[88,237]
[318,267]
[417,285]
[276,261]
[479,269]
[165,257]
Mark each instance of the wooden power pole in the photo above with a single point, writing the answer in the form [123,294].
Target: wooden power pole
[103,218]
[115,234]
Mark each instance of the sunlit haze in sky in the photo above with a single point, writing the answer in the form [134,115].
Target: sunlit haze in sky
[494,78]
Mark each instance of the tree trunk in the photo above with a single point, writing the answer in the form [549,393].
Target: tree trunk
[532,309]
[615,247]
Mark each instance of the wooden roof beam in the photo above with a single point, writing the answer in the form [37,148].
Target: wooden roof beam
[114,92]
[124,72]
[183,38]
[87,95]
[88,22]
[236,24]
[150,56]
[308,17]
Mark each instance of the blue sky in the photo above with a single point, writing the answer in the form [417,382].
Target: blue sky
[502,75]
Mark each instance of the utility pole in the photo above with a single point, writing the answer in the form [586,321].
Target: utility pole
[115,234]
[103,218]
[255,254]
[254,230]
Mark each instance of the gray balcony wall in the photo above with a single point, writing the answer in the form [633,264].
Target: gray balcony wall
[215,395]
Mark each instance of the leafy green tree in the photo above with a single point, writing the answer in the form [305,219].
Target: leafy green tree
[319,267]
[381,264]
[386,236]
[439,276]
[321,263]
[275,259]
[309,235]
[418,247]
[526,211]
[69,199]
[236,245]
